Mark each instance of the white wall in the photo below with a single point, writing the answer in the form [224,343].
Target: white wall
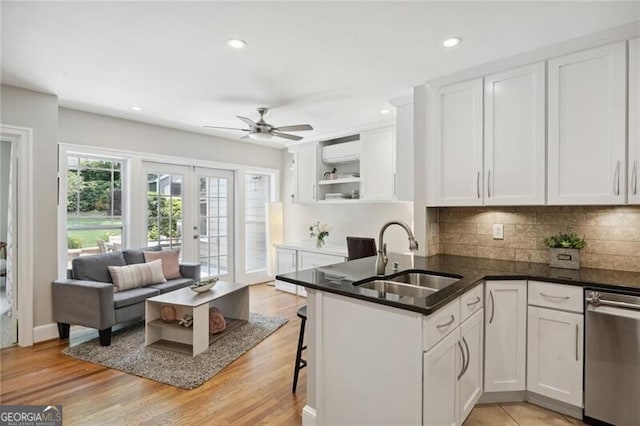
[39,112]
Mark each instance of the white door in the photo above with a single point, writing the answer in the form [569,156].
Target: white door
[377,165]
[442,368]
[285,263]
[505,336]
[587,121]
[555,355]
[514,136]
[472,332]
[458,144]
[634,121]
[307,163]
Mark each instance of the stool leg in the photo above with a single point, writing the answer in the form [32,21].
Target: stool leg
[298,355]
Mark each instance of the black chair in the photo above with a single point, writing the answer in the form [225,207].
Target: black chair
[358,247]
[300,363]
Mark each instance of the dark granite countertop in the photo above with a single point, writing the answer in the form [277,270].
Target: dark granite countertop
[340,278]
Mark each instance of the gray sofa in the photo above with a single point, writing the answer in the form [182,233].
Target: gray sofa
[87,298]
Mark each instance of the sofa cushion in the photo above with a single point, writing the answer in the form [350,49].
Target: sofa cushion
[96,267]
[172,284]
[133,296]
[137,275]
[132,256]
[170,262]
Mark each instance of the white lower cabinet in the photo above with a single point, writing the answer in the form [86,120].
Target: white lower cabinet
[293,260]
[285,263]
[505,336]
[555,354]
[470,382]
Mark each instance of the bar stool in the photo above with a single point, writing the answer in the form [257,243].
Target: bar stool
[300,363]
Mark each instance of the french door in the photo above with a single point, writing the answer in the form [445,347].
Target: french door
[191,209]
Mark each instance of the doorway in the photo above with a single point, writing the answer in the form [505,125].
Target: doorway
[8,220]
[192,209]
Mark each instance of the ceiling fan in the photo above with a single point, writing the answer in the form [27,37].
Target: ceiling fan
[261,130]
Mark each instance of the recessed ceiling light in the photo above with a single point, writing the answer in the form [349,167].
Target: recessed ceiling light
[136,108]
[236,43]
[453,41]
[385,111]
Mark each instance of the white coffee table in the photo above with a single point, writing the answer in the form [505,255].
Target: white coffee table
[231,298]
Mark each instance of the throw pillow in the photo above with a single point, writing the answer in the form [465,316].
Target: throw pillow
[138,275]
[170,262]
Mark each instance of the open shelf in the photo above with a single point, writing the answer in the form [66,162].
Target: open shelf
[339,181]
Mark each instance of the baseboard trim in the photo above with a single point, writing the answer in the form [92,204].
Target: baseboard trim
[498,397]
[552,404]
[45,332]
[308,416]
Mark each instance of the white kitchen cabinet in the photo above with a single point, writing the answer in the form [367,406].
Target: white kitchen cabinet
[505,335]
[307,163]
[587,120]
[457,153]
[514,136]
[442,366]
[308,260]
[377,165]
[285,263]
[555,354]
[634,121]
[471,380]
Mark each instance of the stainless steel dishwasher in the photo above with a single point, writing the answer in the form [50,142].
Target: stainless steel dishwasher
[612,359]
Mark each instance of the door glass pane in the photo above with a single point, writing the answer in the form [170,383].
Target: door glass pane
[214,231]
[164,210]
[257,192]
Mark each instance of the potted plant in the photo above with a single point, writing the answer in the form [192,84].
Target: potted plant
[319,232]
[565,250]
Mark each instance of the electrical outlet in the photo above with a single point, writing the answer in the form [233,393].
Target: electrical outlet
[498,231]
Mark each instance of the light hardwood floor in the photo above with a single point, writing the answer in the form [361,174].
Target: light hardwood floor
[254,389]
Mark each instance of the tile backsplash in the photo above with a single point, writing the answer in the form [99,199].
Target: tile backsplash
[612,233]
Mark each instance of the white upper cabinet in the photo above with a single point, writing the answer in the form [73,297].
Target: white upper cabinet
[587,114]
[458,144]
[377,164]
[514,136]
[307,162]
[634,121]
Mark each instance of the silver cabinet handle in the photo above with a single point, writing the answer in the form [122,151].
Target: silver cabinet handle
[314,191]
[551,296]
[395,183]
[577,332]
[489,184]
[493,306]
[293,262]
[446,324]
[475,302]
[466,367]
[464,361]
[634,177]
[616,179]
[478,184]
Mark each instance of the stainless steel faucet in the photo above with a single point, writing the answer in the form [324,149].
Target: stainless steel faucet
[381,261]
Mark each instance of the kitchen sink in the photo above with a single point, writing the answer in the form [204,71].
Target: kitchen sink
[424,279]
[400,289]
[415,284]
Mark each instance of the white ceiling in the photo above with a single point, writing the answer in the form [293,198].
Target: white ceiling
[333,65]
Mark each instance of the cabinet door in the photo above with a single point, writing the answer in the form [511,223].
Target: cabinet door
[470,382]
[307,157]
[555,361]
[634,121]
[442,366]
[377,164]
[514,136]
[587,114]
[308,260]
[285,263]
[458,144]
[505,336]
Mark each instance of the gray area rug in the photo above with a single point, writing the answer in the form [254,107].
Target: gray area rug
[129,354]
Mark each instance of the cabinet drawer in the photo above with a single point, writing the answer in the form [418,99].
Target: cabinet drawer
[556,296]
[308,260]
[440,323]
[471,302]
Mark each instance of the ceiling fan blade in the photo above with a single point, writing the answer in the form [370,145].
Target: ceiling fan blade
[287,136]
[294,128]
[226,128]
[246,120]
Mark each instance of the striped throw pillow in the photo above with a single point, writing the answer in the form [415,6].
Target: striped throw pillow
[136,275]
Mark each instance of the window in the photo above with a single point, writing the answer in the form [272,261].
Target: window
[164,210]
[257,193]
[94,205]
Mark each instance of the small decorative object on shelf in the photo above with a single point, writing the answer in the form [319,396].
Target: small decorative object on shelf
[330,174]
[186,320]
[565,250]
[204,285]
[167,313]
[217,323]
[319,232]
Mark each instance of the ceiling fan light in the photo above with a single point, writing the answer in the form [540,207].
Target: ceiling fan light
[261,136]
